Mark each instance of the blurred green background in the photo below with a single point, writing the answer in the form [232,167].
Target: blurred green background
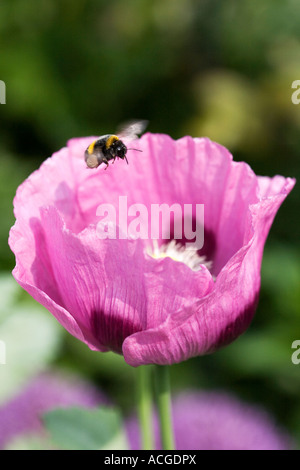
[203,68]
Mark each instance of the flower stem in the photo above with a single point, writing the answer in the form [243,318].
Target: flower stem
[145,406]
[164,406]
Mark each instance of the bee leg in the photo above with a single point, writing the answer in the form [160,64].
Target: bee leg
[106,163]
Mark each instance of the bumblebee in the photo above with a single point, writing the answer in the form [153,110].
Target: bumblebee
[110,146]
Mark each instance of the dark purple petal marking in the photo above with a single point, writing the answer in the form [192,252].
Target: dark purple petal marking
[111,330]
[238,326]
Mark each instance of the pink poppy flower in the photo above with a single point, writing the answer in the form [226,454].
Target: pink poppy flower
[152,302]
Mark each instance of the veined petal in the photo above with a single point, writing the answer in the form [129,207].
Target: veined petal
[110,292]
[226,312]
[111,288]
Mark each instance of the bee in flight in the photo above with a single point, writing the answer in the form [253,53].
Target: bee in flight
[110,146]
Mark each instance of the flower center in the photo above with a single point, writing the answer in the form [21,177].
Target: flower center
[180,253]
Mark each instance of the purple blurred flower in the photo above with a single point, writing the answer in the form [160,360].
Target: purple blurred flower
[22,414]
[215,421]
[112,294]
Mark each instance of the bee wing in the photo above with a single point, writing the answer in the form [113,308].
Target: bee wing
[91,160]
[131,129]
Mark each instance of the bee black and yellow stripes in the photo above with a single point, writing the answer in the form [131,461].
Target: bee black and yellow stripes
[90,148]
[109,147]
[111,139]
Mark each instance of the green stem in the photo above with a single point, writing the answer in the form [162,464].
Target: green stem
[164,407]
[145,406]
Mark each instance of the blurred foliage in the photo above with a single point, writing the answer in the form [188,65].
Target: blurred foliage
[31,337]
[82,429]
[220,69]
